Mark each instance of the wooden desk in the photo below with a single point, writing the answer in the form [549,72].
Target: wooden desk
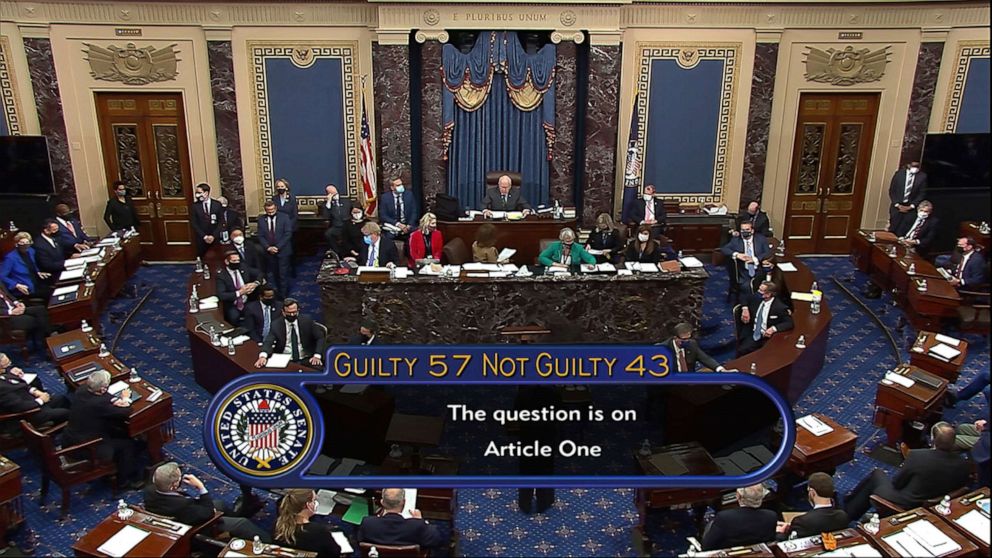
[698,232]
[118,370]
[753,551]
[271,550]
[970,228]
[919,356]
[962,506]
[887,528]
[896,405]
[108,275]
[824,454]
[161,541]
[813,546]
[10,497]
[524,236]
[89,342]
[151,419]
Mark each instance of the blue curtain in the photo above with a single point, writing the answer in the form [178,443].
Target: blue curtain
[497,134]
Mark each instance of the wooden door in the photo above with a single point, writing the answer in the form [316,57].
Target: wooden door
[143,137]
[831,157]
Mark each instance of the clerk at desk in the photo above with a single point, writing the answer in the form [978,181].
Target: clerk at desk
[504,197]
[294,334]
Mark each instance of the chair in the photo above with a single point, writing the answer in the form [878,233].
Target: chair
[388,550]
[542,246]
[973,313]
[11,336]
[738,310]
[62,465]
[455,252]
[401,250]
[885,508]
[492,178]
[11,435]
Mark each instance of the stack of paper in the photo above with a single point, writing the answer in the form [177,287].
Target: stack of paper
[278,360]
[786,266]
[72,274]
[976,523]
[921,538]
[123,541]
[401,272]
[641,267]
[325,501]
[691,262]
[498,214]
[816,426]
[514,216]
[410,502]
[944,352]
[343,543]
[74,262]
[475,266]
[91,252]
[899,379]
[505,254]
[508,268]
[947,340]
[65,290]
[109,241]
[372,269]
[555,270]
[856,551]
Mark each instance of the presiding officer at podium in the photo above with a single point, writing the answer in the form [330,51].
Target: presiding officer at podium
[504,198]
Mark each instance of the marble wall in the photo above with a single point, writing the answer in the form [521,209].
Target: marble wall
[563,157]
[391,66]
[226,123]
[46,96]
[921,102]
[435,174]
[759,119]
[601,131]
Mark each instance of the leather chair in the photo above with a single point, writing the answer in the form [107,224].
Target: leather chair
[11,336]
[11,435]
[455,252]
[63,465]
[885,508]
[492,178]
[393,551]
[542,246]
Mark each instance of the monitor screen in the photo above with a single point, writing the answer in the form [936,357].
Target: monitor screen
[956,161]
[24,165]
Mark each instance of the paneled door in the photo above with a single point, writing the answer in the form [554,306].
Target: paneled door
[833,143]
[143,138]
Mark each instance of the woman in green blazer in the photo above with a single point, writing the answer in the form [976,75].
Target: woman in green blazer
[565,252]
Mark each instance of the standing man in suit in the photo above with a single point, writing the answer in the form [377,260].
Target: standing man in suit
[687,352]
[120,214]
[906,190]
[765,315]
[744,525]
[367,333]
[260,314]
[504,197]
[925,474]
[32,320]
[235,283]
[398,210]
[71,233]
[294,334]
[391,528]
[919,232]
[823,517]
[20,272]
[377,250]
[543,433]
[286,203]
[17,396]
[229,221]
[49,253]
[967,265]
[748,253]
[649,211]
[336,210]
[275,233]
[247,250]
[758,219]
[205,219]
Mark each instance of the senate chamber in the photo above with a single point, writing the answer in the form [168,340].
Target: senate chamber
[384,278]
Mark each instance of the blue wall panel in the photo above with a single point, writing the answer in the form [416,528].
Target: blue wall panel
[3,127]
[683,116]
[307,124]
[974,117]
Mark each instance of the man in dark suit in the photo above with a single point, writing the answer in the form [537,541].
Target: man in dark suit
[286,203]
[748,253]
[235,283]
[249,251]
[262,313]
[918,233]
[906,190]
[758,219]
[120,214]
[205,219]
[967,266]
[368,333]
[686,351]
[97,414]
[544,433]
[925,474]
[295,334]
[504,197]
[32,320]
[71,233]
[163,497]
[229,221]
[49,253]
[649,211]
[377,250]
[744,525]
[764,316]
[17,395]
[398,211]
[391,528]
[337,211]
[823,517]
[275,232]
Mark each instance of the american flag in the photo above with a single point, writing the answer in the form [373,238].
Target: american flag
[261,421]
[368,162]
[632,170]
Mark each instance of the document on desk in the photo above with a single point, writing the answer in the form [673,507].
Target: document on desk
[476,266]
[65,290]
[27,378]
[278,360]
[401,272]
[944,273]
[947,340]
[595,252]
[123,541]
[976,523]
[945,352]
[815,426]
[786,266]
[669,465]
[805,297]
[325,501]
[372,269]
[497,215]
[410,502]
[342,540]
[930,538]
[74,262]
[505,254]
[209,303]
[691,262]
[91,252]
[899,379]
[508,268]
[856,551]
[71,274]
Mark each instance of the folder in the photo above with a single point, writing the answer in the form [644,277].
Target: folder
[357,511]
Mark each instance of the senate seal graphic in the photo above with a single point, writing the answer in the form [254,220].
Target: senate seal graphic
[263,430]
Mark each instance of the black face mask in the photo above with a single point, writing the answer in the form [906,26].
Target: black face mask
[268,301]
[959,250]
[24,248]
[281,191]
[746,234]
[365,338]
[291,318]
[234,266]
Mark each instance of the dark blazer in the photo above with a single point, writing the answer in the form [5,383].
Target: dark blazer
[761,253]
[740,526]
[313,336]
[255,319]
[929,473]
[387,208]
[315,537]
[336,215]
[357,340]
[230,220]
[184,509]
[820,520]
[693,354]
[14,271]
[351,238]
[121,216]
[633,255]
[225,283]
[926,234]
[394,529]
[49,258]
[283,233]
[205,223]
[14,396]
[897,188]
[604,240]
[249,252]
[638,211]
[68,239]
[95,416]
[778,316]
[515,200]
[759,221]
[974,273]
[387,253]
[290,208]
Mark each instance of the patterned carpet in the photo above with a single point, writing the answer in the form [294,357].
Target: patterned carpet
[582,522]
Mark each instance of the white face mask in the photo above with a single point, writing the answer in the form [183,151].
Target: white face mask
[914,170]
[648,197]
[922,214]
[642,237]
[239,240]
[356,216]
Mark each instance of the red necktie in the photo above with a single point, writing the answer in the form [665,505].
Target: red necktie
[239,302]
[68,225]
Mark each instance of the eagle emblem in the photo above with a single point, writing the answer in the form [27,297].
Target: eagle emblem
[132,65]
[847,66]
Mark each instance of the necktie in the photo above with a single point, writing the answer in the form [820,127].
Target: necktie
[916,229]
[294,340]
[909,186]
[241,252]
[758,319]
[683,365]
[272,230]
[649,211]
[749,250]
[399,209]
[72,230]
[239,302]
[373,256]
[504,201]
[266,320]
[206,208]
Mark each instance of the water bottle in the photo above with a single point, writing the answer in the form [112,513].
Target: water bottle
[801,342]
[85,327]
[206,272]
[558,210]
[645,448]
[214,338]
[754,368]
[87,279]
[194,303]
[814,287]
[373,552]
[123,512]
[230,346]
[104,351]
[133,377]
[680,254]
[944,507]
[199,265]
[814,306]
[395,451]
[256,545]
[912,269]
[12,227]
[874,524]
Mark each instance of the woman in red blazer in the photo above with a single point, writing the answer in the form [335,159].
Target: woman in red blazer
[426,241]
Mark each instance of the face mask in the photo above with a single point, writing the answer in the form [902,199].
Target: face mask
[922,214]
[643,237]
[223,206]
[602,227]
[239,240]
[367,239]
[746,234]
[121,193]
[281,191]
[400,189]
[913,170]
[24,247]
[959,250]
[356,217]
[234,266]
[268,301]
[201,197]
[648,197]
[567,243]
[431,226]
[291,318]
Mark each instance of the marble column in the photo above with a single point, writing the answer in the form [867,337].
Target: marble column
[41,66]
[391,66]
[921,101]
[435,168]
[759,119]
[599,167]
[563,155]
[226,123]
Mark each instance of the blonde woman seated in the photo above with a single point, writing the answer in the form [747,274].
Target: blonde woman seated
[426,241]
[293,527]
[566,252]
[484,248]
[606,238]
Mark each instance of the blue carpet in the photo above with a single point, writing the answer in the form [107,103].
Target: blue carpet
[582,522]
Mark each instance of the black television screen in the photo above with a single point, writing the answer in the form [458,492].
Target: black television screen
[24,165]
[956,161]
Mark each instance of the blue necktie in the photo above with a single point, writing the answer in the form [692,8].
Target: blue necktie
[757,321]
[266,321]
[749,250]
[372,255]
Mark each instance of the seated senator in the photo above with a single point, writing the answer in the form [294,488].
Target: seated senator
[764,316]
[745,525]
[368,332]
[259,314]
[426,241]
[605,238]
[391,528]
[824,517]
[967,265]
[643,248]
[352,236]
[504,198]
[749,256]
[565,252]
[71,233]
[235,283]
[20,272]
[17,395]
[687,351]
[294,529]
[295,334]
[484,248]
[919,232]
[377,250]
[32,320]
